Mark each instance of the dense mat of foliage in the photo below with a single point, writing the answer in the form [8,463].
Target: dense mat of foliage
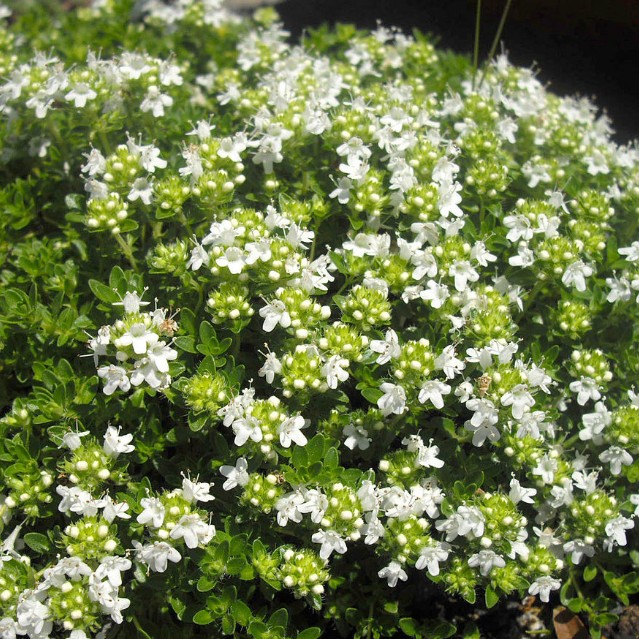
[302,339]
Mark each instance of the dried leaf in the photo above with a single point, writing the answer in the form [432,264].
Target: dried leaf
[568,625]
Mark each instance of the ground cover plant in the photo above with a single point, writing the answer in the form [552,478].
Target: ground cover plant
[303,339]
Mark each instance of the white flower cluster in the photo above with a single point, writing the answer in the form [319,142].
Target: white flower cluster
[142,356]
[44,82]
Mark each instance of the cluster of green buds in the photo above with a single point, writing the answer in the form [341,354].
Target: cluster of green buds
[28,492]
[90,537]
[301,570]
[263,491]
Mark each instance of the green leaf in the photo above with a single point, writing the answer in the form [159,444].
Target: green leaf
[117,280]
[279,618]
[203,618]
[439,629]
[241,612]
[408,626]
[228,625]
[185,343]
[310,633]
[590,572]
[392,607]
[257,629]
[102,292]
[315,449]
[491,597]
[37,542]
[331,460]
[204,584]
[178,606]
[371,394]
[299,458]
[575,605]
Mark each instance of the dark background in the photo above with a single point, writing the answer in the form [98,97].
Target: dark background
[589,48]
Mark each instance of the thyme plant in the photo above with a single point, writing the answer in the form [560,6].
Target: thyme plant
[304,339]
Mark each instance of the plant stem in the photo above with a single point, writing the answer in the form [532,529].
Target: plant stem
[476,47]
[371,610]
[139,628]
[494,45]
[127,251]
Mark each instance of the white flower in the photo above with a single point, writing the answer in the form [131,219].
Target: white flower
[157,555]
[468,521]
[275,313]
[138,336]
[388,348]
[449,198]
[79,94]
[435,293]
[431,556]
[578,548]
[448,362]
[576,274]
[595,423]
[235,475]
[114,443]
[32,616]
[335,370]
[519,493]
[585,481]
[546,468]
[393,401]
[342,191]
[141,189]
[631,252]
[463,272]
[434,390]
[193,530]
[115,377]
[486,560]
[233,259]
[373,529]
[392,573]
[272,366]
[616,457]
[112,509]
[131,303]
[519,398]
[159,354]
[8,628]
[112,568]
[95,164]
[146,371]
[426,455]
[482,423]
[290,430]
[72,439]
[586,389]
[150,158]
[196,491]
[315,503]
[542,587]
[288,508]
[616,529]
[356,437]
[331,542]
[153,512]
[77,500]
[246,428]
[155,101]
